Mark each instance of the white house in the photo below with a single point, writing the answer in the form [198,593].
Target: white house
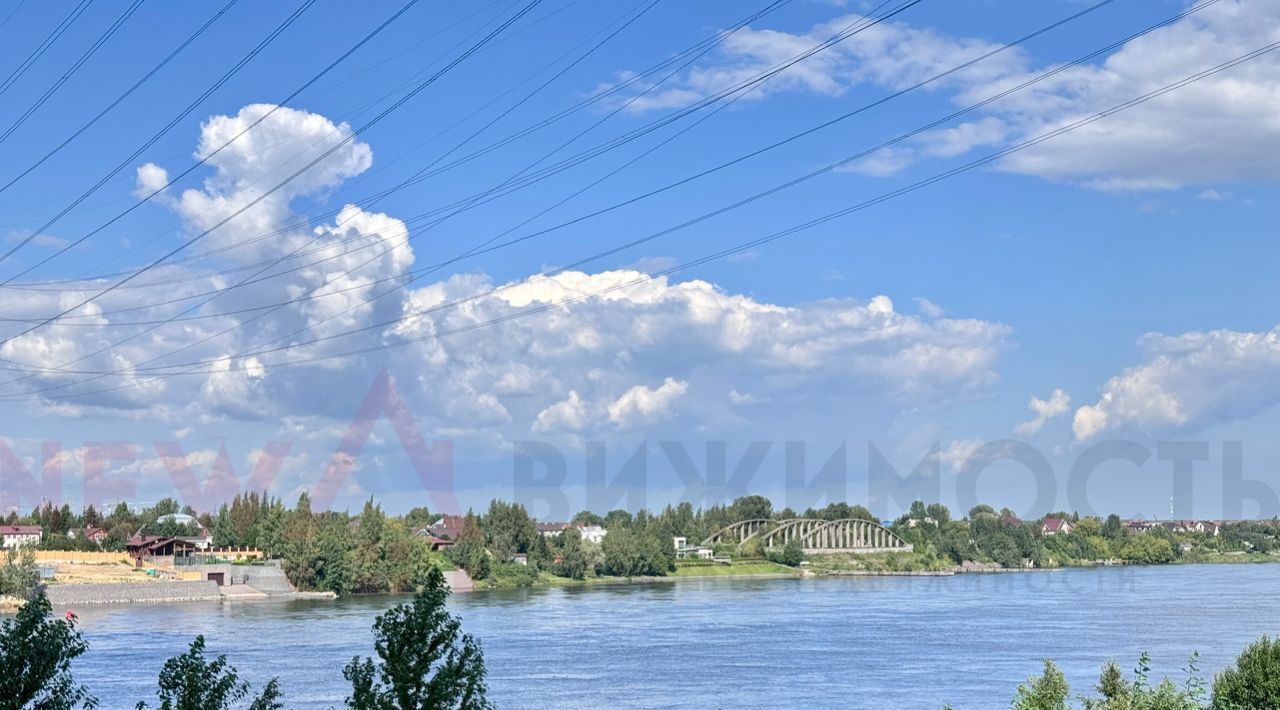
[1054,526]
[1207,527]
[551,529]
[203,539]
[12,536]
[593,533]
[686,551]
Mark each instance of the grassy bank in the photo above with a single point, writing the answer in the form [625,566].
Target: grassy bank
[739,569]
[515,579]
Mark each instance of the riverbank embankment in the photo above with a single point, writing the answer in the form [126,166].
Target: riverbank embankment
[211,583]
[69,595]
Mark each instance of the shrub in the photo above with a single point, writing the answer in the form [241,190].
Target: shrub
[1255,680]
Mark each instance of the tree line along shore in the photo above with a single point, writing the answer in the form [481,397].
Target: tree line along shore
[504,546]
[373,552]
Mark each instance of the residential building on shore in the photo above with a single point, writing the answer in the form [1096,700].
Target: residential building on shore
[13,536]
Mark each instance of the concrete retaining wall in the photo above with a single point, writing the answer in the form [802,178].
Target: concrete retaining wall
[64,595]
[459,581]
[264,578]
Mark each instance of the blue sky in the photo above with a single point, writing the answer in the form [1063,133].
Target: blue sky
[1128,264]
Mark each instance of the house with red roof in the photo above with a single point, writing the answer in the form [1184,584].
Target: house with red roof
[12,536]
[1055,526]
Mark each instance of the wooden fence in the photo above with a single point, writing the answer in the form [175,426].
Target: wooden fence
[81,557]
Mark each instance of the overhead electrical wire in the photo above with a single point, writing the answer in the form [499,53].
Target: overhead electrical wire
[852,29]
[9,15]
[401,282]
[762,76]
[310,95]
[843,34]
[418,273]
[127,92]
[207,156]
[44,45]
[351,137]
[579,106]
[738,248]
[226,76]
[75,66]
[634,17]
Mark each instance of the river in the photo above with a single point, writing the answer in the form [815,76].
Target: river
[865,642]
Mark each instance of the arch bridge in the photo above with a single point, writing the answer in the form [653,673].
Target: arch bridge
[816,536]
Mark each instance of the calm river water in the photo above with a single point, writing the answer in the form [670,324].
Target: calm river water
[883,642]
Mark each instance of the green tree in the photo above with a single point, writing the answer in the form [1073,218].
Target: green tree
[19,574]
[981,509]
[418,517]
[36,651]
[792,553]
[1088,527]
[469,551]
[164,506]
[1112,528]
[635,553]
[1254,682]
[1116,693]
[190,682]
[425,661]
[574,562]
[939,512]
[1048,691]
[751,508]
[300,551]
[509,529]
[333,551]
[616,518]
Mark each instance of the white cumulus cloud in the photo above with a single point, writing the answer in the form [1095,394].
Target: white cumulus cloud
[1188,381]
[1059,403]
[641,405]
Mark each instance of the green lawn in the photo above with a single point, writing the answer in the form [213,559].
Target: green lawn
[741,568]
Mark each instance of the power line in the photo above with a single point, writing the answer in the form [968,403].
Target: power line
[738,248]
[1031,142]
[44,45]
[145,77]
[849,31]
[279,29]
[701,46]
[418,273]
[945,73]
[744,246]
[610,145]
[8,16]
[211,154]
[308,96]
[351,137]
[36,285]
[278,105]
[84,57]
[635,17]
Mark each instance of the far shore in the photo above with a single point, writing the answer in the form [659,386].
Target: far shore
[754,570]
